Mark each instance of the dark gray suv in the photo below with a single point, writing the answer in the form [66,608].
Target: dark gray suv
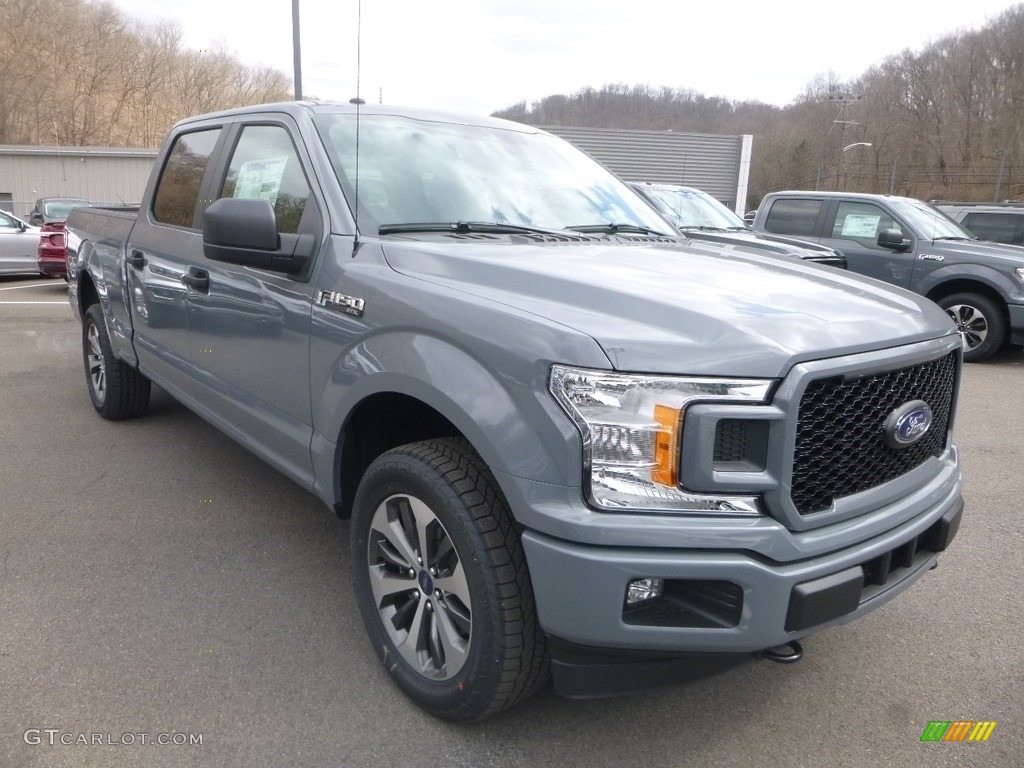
[998,222]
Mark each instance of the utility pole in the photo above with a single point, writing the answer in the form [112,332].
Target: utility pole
[999,178]
[845,101]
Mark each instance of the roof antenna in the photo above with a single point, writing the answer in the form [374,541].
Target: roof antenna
[358,102]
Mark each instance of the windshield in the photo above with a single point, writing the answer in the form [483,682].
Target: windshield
[420,171]
[59,209]
[692,208]
[930,222]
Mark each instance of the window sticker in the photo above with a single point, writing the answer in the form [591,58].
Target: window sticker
[260,179]
[860,225]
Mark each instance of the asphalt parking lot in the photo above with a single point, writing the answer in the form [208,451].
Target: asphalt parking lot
[157,579]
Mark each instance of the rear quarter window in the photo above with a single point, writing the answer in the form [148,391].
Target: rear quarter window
[793,217]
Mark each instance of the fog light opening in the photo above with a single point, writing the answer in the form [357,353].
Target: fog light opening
[644,590]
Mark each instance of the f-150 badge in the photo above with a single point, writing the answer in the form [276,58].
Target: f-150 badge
[350,305]
[930,257]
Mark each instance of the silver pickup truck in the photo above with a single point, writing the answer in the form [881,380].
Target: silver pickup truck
[569,442]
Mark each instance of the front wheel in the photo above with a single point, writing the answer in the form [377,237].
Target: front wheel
[442,582]
[980,322]
[117,390]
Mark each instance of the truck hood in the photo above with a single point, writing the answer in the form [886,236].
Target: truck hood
[769,244]
[679,308]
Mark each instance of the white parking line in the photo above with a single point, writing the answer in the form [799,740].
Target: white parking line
[30,285]
[34,302]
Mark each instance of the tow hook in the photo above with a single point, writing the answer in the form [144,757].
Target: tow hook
[787,653]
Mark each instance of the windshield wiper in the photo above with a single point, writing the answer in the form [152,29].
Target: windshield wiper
[703,228]
[464,227]
[614,229]
[951,237]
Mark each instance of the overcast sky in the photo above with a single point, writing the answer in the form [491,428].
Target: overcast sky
[479,56]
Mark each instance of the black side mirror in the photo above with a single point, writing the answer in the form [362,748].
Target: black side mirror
[893,240]
[239,231]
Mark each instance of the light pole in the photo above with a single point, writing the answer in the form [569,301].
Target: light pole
[839,173]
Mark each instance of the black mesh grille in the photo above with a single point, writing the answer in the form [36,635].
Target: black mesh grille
[840,437]
[731,440]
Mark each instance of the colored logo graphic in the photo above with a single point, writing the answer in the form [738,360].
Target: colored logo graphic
[958,730]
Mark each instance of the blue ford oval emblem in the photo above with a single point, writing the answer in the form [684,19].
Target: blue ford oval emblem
[908,424]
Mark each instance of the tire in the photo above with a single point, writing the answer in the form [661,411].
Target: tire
[980,321]
[479,648]
[117,390]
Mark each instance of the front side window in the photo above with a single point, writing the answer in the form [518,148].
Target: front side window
[862,222]
[265,166]
[793,217]
[6,222]
[177,191]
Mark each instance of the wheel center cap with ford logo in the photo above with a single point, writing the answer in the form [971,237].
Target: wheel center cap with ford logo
[426,583]
[908,424]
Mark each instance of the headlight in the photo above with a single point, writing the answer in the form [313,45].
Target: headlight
[632,427]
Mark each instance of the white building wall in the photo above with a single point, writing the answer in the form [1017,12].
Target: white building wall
[101,175]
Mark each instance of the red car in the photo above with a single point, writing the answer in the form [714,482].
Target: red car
[53,250]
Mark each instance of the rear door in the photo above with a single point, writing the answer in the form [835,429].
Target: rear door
[163,249]
[250,327]
[852,226]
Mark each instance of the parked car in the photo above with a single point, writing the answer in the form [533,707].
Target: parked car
[696,214]
[52,251]
[997,222]
[566,442]
[19,242]
[912,244]
[49,210]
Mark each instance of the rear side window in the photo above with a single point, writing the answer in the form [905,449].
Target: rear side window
[177,191]
[999,227]
[793,217]
[265,166]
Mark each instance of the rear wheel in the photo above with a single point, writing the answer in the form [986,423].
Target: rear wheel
[117,390]
[442,582]
[980,322]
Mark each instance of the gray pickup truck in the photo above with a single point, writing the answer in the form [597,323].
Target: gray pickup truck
[909,243]
[568,445]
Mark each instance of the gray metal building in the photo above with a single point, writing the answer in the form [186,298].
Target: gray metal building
[716,164]
[99,174]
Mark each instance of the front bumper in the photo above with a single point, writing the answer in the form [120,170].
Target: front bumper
[1016,323]
[599,648]
[580,590]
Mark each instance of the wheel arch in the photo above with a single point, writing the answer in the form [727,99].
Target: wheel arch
[422,387]
[971,285]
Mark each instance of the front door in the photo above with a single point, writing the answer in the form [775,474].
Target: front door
[250,330]
[854,229]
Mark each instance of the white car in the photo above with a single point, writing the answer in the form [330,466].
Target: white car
[19,246]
